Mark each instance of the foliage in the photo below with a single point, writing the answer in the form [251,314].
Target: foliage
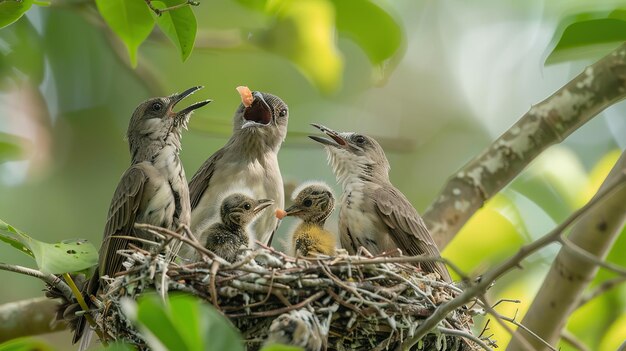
[302,31]
[182,323]
[588,35]
[67,256]
[25,344]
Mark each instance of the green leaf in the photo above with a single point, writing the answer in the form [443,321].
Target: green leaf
[183,323]
[588,35]
[10,147]
[12,10]
[303,31]
[23,51]
[371,27]
[63,257]
[130,20]
[179,25]
[25,344]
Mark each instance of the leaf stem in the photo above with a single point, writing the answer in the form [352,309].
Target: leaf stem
[83,305]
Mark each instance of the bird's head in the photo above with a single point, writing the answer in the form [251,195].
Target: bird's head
[353,155]
[155,121]
[239,210]
[312,202]
[263,116]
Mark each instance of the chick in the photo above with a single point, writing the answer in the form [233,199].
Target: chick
[313,204]
[237,211]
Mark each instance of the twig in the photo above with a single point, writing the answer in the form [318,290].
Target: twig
[474,290]
[465,335]
[50,279]
[601,289]
[547,123]
[571,339]
[159,12]
[578,261]
[584,255]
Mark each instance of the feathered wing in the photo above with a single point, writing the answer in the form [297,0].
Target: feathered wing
[121,218]
[407,228]
[120,221]
[200,181]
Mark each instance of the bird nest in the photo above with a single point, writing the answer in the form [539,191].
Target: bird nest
[342,303]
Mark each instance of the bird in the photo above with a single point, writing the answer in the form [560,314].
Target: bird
[313,202]
[300,328]
[372,212]
[227,237]
[153,190]
[248,162]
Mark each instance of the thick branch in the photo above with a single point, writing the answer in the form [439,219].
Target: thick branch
[563,287]
[606,193]
[547,123]
[28,317]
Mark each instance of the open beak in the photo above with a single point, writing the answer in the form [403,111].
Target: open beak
[292,210]
[179,97]
[259,113]
[263,204]
[335,140]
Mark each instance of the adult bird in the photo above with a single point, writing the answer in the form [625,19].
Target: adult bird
[313,202]
[372,212]
[227,237]
[248,162]
[153,190]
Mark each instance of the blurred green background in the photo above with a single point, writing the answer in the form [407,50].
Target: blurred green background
[434,81]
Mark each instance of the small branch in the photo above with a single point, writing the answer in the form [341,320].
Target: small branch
[466,335]
[601,289]
[29,317]
[50,279]
[573,340]
[490,276]
[81,301]
[159,12]
[578,261]
[547,123]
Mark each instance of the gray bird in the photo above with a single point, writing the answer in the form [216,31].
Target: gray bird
[372,212]
[153,190]
[227,237]
[247,162]
[313,202]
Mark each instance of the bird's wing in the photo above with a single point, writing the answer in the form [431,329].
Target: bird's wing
[407,228]
[121,218]
[200,181]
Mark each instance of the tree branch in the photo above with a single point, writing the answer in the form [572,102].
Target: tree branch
[29,317]
[577,264]
[50,279]
[606,193]
[549,122]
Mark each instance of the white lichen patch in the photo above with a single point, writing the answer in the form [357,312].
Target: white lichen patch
[586,83]
[462,205]
[456,191]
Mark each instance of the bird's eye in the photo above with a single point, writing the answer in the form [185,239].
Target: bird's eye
[247,206]
[359,139]
[282,113]
[156,106]
[308,203]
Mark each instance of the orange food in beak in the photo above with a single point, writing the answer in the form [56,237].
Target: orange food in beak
[280,214]
[246,95]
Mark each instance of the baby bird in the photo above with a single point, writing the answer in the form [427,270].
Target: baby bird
[313,204]
[237,211]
